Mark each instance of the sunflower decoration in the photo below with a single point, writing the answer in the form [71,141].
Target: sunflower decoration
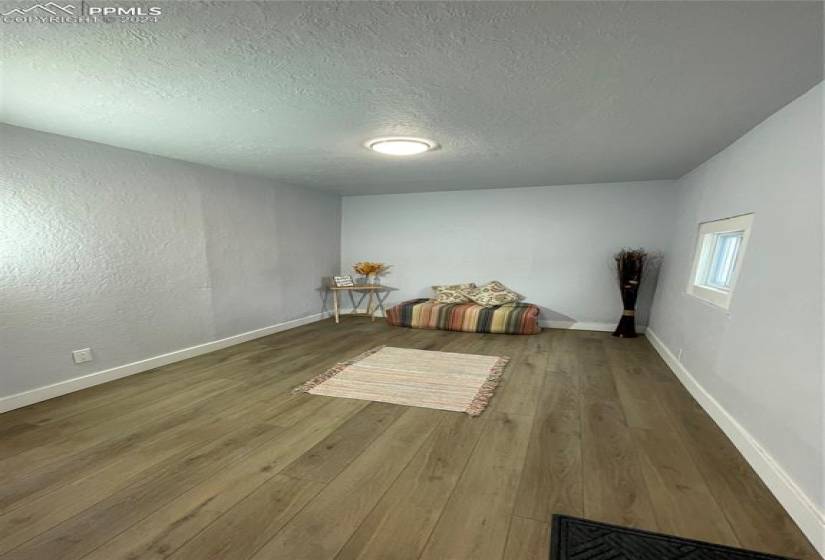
[371,269]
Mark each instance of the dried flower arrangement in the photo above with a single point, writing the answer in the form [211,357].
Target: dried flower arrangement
[371,269]
[630,264]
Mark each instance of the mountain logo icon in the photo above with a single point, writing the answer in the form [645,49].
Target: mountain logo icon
[42,9]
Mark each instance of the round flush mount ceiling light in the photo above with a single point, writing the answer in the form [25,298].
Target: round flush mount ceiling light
[400,146]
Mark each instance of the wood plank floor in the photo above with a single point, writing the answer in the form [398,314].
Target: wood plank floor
[215,458]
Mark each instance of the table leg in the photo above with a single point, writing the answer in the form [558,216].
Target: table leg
[380,303]
[370,311]
[335,304]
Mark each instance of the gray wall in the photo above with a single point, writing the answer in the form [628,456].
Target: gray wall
[552,244]
[762,360]
[136,255]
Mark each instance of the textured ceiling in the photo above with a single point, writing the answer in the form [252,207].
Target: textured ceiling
[516,93]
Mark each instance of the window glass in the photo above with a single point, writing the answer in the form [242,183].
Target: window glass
[717,261]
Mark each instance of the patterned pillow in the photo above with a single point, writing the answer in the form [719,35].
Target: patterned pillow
[492,294]
[453,293]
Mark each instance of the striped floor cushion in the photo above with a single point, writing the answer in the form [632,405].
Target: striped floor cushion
[522,318]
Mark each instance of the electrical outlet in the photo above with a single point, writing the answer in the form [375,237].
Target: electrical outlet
[82,355]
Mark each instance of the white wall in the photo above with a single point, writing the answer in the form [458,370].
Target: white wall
[762,361]
[552,244]
[136,255]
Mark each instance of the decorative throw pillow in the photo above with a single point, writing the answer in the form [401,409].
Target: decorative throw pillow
[492,294]
[453,293]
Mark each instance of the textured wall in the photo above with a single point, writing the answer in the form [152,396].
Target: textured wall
[552,244]
[761,360]
[137,255]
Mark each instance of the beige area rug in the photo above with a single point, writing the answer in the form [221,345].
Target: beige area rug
[443,380]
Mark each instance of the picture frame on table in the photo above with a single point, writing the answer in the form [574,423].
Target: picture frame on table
[342,281]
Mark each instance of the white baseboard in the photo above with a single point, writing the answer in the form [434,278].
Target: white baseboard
[803,510]
[583,326]
[343,311]
[572,325]
[84,381]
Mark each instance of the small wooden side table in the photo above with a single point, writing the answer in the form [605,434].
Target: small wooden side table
[367,291]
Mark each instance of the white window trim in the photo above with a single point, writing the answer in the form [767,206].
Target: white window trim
[719,298]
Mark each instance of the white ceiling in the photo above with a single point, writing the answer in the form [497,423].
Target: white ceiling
[516,93]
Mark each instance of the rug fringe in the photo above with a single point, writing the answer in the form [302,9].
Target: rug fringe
[334,370]
[485,393]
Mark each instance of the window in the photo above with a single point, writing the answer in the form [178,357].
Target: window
[720,247]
